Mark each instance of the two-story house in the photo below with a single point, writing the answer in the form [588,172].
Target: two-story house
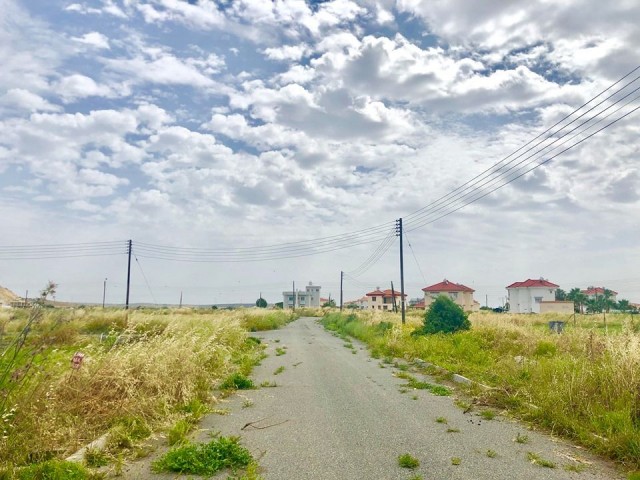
[460,294]
[593,293]
[383,299]
[527,296]
[310,297]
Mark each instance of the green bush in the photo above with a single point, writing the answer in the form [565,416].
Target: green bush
[444,316]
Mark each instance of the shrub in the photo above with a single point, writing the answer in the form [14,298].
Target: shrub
[444,316]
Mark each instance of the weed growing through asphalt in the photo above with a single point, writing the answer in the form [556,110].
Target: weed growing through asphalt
[453,430]
[296,364]
[408,461]
[221,411]
[488,414]
[278,370]
[247,403]
[416,477]
[414,397]
[178,432]
[268,384]
[441,420]
[280,351]
[521,438]
[578,468]
[456,460]
[204,458]
[415,384]
[237,381]
[491,453]
[95,457]
[348,345]
[538,460]
[277,340]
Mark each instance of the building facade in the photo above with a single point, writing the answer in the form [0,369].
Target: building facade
[526,297]
[383,299]
[460,294]
[309,297]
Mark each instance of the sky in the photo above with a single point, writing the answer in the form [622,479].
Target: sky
[230,130]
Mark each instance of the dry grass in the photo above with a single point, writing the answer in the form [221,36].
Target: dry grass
[584,384]
[139,374]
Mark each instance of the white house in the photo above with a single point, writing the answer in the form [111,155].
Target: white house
[460,294]
[526,297]
[310,297]
[383,299]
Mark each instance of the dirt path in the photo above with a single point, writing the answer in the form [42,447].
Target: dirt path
[339,415]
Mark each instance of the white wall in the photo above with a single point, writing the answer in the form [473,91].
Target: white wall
[523,299]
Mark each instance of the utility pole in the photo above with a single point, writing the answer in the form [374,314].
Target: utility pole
[399,234]
[26,299]
[393,299]
[126,307]
[294,295]
[341,280]
[180,306]
[104,292]
[486,300]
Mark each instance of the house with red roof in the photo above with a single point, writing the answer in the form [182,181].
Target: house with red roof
[528,296]
[460,294]
[383,299]
[593,293]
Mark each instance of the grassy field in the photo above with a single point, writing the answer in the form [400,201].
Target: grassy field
[583,384]
[146,371]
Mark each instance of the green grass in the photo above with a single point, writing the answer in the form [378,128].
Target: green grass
[408,461]
[280,351]
[488,414]
[278,370]
[237,381]
[268,384]
[453,430]
[580,384]
[456,460]
[538,460]
[520,438]
[178,432]
[441,420]
[204,458]
[95,457]
[491,453]
[54,470]
[414,383]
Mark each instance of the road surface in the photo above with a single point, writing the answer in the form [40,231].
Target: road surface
[339,415]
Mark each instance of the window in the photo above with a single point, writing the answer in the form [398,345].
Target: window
[373,299]
[453,294]
[291,298]
[538,299]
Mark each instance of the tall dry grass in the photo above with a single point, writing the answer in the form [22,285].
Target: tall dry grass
[138,370]
[583,384]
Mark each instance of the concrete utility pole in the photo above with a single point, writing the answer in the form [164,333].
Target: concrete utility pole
[126,307]
[104,292]
[294,295]
[399,234]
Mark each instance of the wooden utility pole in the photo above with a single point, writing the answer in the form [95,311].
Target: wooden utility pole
[399,234]
[393,299]
[341,280]
[126,307]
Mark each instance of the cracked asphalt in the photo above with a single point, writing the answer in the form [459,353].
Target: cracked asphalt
[336,414]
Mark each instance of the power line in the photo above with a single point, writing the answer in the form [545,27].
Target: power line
[145,280]
[497,171]
[415,258]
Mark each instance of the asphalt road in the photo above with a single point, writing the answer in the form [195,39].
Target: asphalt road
[339,415]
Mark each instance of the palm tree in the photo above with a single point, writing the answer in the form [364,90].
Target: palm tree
[578,298]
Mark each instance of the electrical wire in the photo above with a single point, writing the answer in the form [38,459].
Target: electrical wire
[375,256]
[414,256]
[145,280]
[497,170]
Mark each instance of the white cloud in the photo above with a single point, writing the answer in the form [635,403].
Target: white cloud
[79,86]
[94,39]
[22,99]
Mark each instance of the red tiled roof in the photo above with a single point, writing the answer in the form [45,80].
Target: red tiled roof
[541,282]
[447,286]
[384,293]
[597,291]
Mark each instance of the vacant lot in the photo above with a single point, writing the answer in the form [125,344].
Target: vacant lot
[141,371]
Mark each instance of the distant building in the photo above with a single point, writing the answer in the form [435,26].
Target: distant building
[593,293]
[383,299]
[310,297]
[460,294]
[526,297]
[360,303]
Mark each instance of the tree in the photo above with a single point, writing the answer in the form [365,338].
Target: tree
[330,303]
[623,305]
[578,298]
[561,295]
[445,316]
[261,303]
